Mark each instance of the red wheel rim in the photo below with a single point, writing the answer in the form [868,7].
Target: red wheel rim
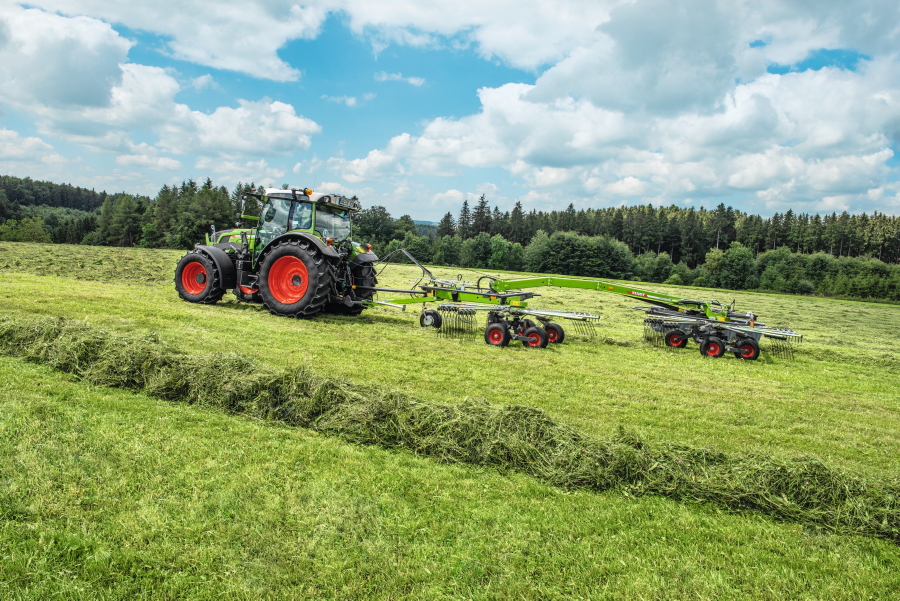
[246,290]
[551,335]
[496,336]
[288,280]
[534,340]
[193,277]
[675,340]
[713,349]
[746,351]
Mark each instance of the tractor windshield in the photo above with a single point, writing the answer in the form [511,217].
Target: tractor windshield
[274,220]
[333,223]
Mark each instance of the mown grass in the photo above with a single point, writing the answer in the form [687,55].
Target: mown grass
[837,400]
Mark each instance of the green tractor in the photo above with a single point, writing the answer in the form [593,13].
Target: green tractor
[298,261]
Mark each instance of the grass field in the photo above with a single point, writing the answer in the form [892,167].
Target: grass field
[110,493]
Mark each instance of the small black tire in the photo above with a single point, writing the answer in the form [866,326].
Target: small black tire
[555,333]
[248,295]
[197,279]
[712,347]
[497,334]
[430,318]
[676,339]
[535,338]
[749,349]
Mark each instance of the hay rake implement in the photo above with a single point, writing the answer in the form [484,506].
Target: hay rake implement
[670,321]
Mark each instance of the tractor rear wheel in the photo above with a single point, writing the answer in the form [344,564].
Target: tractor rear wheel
[197,279]
[497,334]
[749,349]
[555,333]
[295,279]
[535,338]
[676,339]
[712,347]
[249,295]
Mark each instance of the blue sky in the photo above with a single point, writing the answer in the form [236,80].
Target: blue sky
[763,106]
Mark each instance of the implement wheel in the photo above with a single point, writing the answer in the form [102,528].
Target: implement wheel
[712,347]
[197,279]
[294,279]
[497,334]
[749,349]
[535,338]
[430,318]
[555,333]
[676,339]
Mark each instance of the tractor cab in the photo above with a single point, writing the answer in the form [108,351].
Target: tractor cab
[325,216]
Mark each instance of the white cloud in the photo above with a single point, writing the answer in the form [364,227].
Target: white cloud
[629,186]
[49,60]
[348,100]
[144,155]
[203,82]
[234,171]
[15,147]
[385,76]
[450,197]
[369,96]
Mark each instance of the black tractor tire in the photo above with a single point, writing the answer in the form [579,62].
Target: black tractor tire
[536,338]
[555,333]
[749,349]
[364,275]
[295,279]
[430,318]
[248,295]
[197,279]
[712,347]
[676,339]
[497,334]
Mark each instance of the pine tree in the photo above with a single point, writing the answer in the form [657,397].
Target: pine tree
[464,225]
[446,227]
[517,224]
[481,217]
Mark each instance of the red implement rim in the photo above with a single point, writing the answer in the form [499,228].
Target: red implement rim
[552,335]
[246,290]
[713,349]
[747,351]
[534,340]
[281,280]
[189,275]
[676,340]
[496,336]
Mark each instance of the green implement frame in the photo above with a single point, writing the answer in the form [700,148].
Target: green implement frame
[671,319]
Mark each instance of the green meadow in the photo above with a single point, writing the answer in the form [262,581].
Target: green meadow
[107,493]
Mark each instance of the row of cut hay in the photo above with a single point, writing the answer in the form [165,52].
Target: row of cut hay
[512,437]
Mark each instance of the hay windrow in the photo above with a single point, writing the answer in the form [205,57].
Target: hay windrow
[511,437]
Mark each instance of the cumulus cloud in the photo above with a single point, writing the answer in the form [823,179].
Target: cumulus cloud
[49,60]
[234,171]
[13,147]
[144,155]
[348,100]
[385,76]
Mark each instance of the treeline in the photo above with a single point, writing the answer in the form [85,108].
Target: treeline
[687,234]
[833,255]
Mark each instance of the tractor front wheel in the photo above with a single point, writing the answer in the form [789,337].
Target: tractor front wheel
[197,279]
[712,347]
[535,338]
[294,279]
[749,349]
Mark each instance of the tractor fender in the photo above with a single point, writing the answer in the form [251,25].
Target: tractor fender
[328,252]
[223,264]
[362,258]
